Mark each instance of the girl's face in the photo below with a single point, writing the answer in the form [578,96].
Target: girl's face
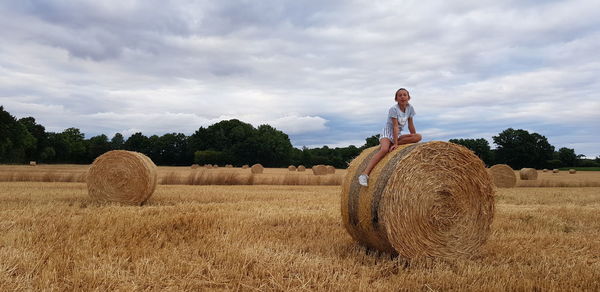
[402,98]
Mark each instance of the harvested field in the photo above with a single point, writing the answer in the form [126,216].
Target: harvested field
[53,236]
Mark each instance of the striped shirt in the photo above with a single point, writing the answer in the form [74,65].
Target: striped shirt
[402,118]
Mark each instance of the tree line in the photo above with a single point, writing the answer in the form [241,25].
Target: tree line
[235,142]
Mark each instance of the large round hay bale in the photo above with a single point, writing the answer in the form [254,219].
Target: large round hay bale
[545,170]
[503,176]
[122,176]
[330,169]
[194,166]
[32,163]
[228,166]
[528,174]
[319,169]
[555,170]
[257,168]
[291,168]
[245,166]
[572,171]
[425,199]
[301,168]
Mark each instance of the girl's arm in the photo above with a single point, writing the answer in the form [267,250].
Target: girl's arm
[411,126]
[396,131]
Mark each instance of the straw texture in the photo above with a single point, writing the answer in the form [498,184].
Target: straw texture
[245,166]
[291,168]
[528,174]
[257,168]
[319,169]
[194,166]
[503,176]
[122,176]
[330,169]
[426,199]
[301,168]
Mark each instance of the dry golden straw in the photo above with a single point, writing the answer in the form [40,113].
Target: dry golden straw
[503,176]
[122,176]
[229,166]
[257,168]
[301,168]
[528,174]
[572,171]
[426,199]
[291,168]
[330,169]
[194,166]
[555,170]
[319,169]
[245,166]
[32,163]
[545,170]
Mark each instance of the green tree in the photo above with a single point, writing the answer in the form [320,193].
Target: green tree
[137,142]
[208,157]
[117,142]
[480,147]
[41,137]
[567,156]
[98,145]
[519,148]
[171,149]
[15,140]
[371,141]
[77,145]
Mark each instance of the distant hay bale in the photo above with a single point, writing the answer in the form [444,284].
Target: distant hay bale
[425,199]
[194,166]
[545,170]
[330,169]
[229,166]
[291,168]
[528,174]
[32,163]
[245,166]
[301,168]
[572,171]
[257,168]
[503,176]
[122,176]
[215,166]
[555,170]
[208,166]
[319,169]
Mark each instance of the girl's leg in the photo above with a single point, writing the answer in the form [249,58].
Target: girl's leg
[409,138]
[384,148]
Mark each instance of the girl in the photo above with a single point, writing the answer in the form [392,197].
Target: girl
[398,116]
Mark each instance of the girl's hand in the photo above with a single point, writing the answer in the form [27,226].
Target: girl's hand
[393,147]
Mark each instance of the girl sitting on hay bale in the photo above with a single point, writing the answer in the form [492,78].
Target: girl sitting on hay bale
[399,115]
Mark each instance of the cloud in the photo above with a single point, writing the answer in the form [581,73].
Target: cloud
[324,72]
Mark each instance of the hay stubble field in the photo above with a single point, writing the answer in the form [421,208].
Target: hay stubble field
[277,237]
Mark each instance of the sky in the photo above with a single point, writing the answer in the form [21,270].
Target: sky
[324,72]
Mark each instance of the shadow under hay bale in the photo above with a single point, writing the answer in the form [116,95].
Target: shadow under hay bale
[122,176]
[426,199]
[503,176]
[528,174]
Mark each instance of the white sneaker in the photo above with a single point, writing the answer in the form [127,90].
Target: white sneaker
[363,180]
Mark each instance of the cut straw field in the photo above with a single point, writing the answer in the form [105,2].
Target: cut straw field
[54,237]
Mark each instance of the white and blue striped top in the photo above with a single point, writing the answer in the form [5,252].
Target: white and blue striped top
[402,117]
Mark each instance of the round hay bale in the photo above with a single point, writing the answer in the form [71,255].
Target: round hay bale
[208,166]
[301,168]
[319,169]
[424,199]
[215,166]
[194,166]
[245,166]
[528,174]
[555,170]
[572,171]
[229,166]
[122,176]
[32,163]
[330,169]
[291,168]
[503,176]
[257,168]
